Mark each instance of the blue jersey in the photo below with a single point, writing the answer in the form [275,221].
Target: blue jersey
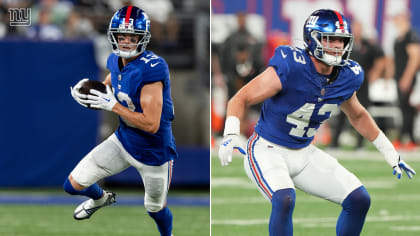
[151,149]
[292,116]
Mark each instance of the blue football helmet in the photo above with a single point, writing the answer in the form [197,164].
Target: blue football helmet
[129,20]
[326,25]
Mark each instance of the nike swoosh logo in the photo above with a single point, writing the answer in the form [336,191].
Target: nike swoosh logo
[226,142]
[153,65]
[282,54]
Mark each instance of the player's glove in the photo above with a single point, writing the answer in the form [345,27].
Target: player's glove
[105,101]
[383,144]
[80,98]
[402,166]
[229,143]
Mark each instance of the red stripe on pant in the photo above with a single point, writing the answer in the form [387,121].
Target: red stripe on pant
[254,169]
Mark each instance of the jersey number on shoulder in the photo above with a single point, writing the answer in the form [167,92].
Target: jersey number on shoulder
[148,58]
[299,58]
[302,116]
[356,69]
[123,97]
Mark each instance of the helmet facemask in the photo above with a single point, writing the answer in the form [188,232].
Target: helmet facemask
[328,55]
[144,37]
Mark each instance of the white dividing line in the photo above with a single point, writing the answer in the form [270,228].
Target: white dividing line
[242,183]
[240,222]
[379,184]
[405,228]
[310,199]
[323,221]
[230,201]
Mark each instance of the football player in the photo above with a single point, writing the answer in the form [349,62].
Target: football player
[140,95]
[299,89]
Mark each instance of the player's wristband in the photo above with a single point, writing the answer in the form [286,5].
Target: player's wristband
[383,145]
[232,125]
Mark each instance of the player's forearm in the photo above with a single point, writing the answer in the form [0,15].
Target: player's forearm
[365,125]
[236,107]
[265,85]
[142,121]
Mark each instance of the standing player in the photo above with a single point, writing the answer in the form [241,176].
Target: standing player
[141,97]
[300,88]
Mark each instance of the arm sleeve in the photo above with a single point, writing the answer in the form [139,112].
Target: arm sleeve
[281,64]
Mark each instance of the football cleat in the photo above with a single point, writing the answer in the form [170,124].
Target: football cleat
[86,209]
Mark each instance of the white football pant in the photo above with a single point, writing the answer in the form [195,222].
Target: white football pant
[110,158]
[272,167]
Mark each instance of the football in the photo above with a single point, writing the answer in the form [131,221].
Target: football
[92,84]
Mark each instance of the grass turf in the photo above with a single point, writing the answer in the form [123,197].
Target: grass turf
[48,220]
[238,208]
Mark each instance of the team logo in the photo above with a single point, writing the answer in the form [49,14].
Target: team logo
[312,21]
[20,16]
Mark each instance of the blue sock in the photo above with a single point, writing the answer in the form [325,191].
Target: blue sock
[163,219]
[283,204]
[94,191]
[352,217]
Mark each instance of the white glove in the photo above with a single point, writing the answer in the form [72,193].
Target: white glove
[403,166]
[80,98]
[105,101]
[383,144]
[229,143]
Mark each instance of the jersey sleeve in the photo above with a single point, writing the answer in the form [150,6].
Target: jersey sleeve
[280,63]
[109,61]
[359,78]
[156,70]
[358,74]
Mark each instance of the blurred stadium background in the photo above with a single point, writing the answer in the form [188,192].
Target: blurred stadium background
[44,133]
[244,35]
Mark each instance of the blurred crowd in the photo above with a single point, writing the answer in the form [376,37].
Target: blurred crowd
[81,19]
[180,34]
[389,91]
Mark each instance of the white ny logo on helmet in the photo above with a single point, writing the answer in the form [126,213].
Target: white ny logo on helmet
[312,21]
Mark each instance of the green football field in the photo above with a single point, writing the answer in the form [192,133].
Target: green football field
[238,208]
[124,220]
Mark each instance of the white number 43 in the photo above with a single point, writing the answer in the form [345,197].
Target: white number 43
[301,118]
